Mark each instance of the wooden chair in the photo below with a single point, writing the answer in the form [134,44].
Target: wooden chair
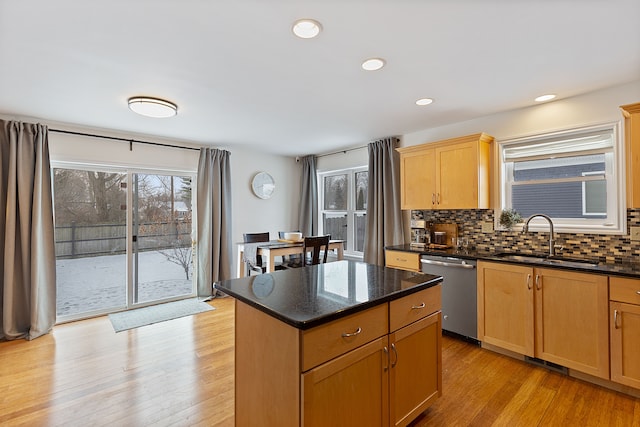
[257,267]
[315,245]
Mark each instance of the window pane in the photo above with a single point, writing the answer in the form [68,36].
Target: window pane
[362,184]
[162,250]
[567,190]
[90,235]
[335,225]
[595,198]
[335,192]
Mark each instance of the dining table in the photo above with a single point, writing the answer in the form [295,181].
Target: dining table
[275,248]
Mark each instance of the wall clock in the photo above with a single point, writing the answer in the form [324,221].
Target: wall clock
[263,185]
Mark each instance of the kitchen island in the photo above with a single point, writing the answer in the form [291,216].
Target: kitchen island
[343,343]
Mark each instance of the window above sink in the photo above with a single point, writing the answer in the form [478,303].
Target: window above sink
[574,176]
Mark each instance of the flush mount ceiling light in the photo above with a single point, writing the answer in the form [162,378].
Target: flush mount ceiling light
[373,64]
[306,28]
[152,107]
[543,98]
[424,101]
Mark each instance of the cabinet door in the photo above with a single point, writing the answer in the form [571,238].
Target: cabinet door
[415,374]
[417,179]
[457,176]
[572,326]
[505,306]
[625,343]
[351,390]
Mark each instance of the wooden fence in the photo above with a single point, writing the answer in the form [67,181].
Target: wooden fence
[77,241]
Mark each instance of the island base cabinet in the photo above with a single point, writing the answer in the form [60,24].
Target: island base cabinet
[351,390]
[415,375]
[625,344]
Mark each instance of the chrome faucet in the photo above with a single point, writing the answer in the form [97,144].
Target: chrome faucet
[552,247]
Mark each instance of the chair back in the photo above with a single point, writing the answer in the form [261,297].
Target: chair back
[316,244]
[255,237]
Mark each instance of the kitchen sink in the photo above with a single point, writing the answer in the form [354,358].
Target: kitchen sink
[547,259]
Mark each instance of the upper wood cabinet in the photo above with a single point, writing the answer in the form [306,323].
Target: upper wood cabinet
[449,174]
[631,113]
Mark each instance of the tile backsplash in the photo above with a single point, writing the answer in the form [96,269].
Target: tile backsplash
[601,247]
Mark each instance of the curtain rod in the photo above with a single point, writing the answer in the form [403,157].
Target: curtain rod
[342,151]
[129,140]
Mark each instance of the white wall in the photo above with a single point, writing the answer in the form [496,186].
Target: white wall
[589,109]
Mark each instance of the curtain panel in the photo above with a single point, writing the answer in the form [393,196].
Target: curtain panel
[384,216]
[213,241]
[27,255]
[308,215]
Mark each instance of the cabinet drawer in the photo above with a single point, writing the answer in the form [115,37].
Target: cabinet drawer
[414,307]
[403,260]
[331,340]
[624,290]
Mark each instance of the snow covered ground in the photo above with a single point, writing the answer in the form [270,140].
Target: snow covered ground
[99,283]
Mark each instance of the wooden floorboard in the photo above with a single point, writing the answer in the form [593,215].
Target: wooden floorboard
[180,373]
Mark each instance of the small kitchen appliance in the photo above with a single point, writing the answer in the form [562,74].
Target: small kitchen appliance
[419,235]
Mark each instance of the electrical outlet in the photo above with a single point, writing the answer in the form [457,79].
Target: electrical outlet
[487,227]
[635,233]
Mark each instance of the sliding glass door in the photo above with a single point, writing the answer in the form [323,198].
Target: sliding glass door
[123,239]
[162,255]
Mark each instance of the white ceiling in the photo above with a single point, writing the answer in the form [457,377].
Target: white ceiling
[240,77]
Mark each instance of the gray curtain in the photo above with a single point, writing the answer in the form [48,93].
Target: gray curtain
[214,244]
[27,254]
[384,216]
[308,216]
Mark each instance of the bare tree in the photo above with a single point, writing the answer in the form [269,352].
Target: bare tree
[180,255]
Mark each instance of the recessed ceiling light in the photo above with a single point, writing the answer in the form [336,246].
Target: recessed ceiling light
[373,64]
[545,98]
[152,107]
[424,101]
[306,28]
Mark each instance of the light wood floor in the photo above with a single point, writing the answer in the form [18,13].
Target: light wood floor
[180,373]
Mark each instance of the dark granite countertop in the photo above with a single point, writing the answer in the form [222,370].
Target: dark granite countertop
[311,296]
[614,269]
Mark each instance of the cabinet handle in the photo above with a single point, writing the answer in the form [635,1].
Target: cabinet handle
[433,198]
[529,281]
[386,353]
[438,198]
[538,282]
[401,259]
[418,307]
[395,351]
[615,319]
[638,292]
[352,334]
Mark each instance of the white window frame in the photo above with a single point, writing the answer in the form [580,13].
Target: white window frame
[615,172]
[351,212]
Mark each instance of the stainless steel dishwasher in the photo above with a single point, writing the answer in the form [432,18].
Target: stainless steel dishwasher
[459,293]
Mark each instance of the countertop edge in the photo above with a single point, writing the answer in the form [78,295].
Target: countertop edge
[622,270]
[305,325]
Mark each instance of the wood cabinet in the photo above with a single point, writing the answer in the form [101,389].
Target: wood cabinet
[624,308]
[555,315]
[414,367]
[402,260]
[449,174]
[351,371]
[631,113]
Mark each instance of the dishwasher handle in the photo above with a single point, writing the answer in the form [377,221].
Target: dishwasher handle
[447,264]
